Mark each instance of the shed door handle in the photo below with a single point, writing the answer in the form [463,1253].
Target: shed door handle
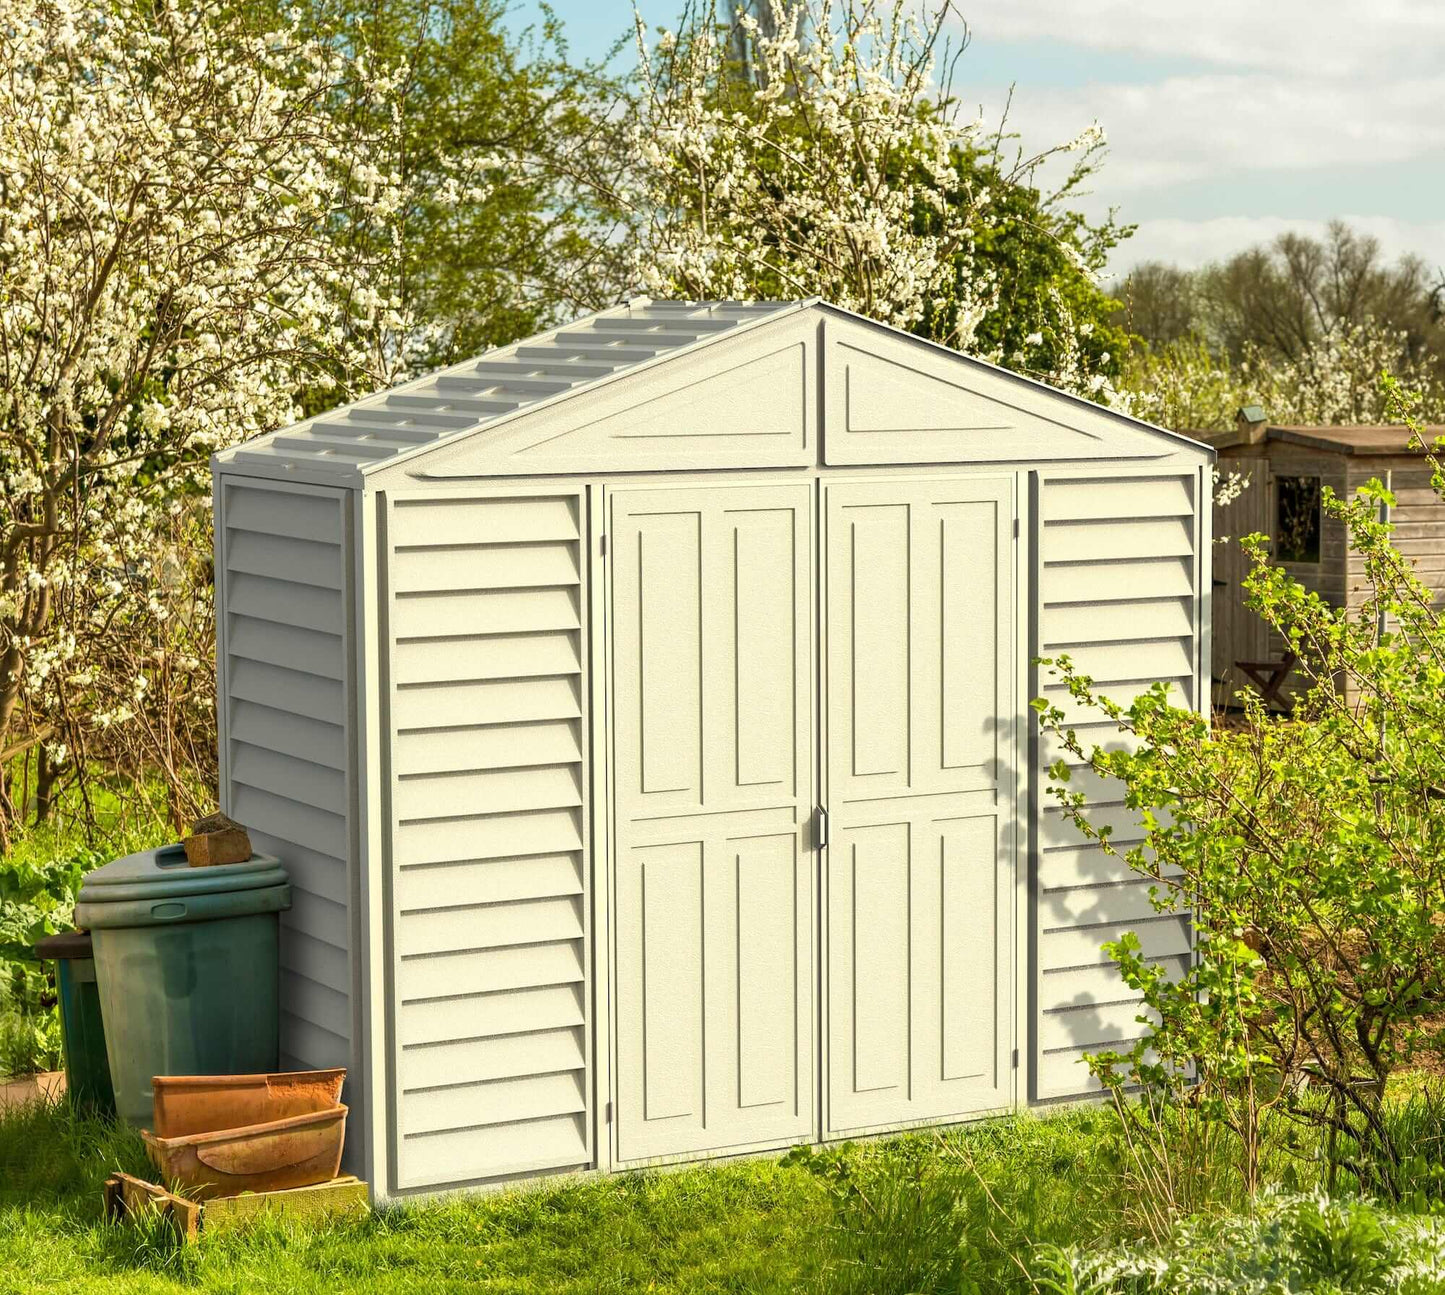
[822,833]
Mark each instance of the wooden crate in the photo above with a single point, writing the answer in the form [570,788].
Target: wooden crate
[130,1197]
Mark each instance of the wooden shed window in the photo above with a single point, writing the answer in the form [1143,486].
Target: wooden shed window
[1297,519]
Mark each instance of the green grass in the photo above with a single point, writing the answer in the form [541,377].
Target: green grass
[1028,1204]
[908,1214]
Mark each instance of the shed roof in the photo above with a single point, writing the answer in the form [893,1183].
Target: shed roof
[347,444]
[465,397]
[1359,440]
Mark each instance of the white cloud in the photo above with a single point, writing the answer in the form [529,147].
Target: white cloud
[1291,108]
[1196,242]
[1315,38]
[1184,128]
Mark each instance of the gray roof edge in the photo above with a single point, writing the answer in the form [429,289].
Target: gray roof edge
[379,396]
[222,464]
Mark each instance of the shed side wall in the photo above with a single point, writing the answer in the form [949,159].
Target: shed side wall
[1121,561]
[1244,637]
[287,724]
[1239,634]
[1418,517]
[489,912]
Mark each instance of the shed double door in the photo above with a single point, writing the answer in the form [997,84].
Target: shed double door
[726,739]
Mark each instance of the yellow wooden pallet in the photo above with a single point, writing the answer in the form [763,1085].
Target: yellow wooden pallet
[128,1197]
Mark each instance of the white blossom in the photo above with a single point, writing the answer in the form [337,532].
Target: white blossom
[171,185]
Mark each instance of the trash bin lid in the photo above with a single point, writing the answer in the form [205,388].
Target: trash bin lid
[64,946]
[165,873]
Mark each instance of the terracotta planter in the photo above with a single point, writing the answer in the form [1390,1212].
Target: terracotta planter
[295,1152]
[187,1104]
[43,1086]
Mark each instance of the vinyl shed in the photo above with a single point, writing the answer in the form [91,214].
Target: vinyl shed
[641,711]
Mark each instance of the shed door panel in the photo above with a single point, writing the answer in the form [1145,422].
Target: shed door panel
[919,776]
[713,775]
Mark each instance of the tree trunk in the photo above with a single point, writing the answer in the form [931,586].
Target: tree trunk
[47,771]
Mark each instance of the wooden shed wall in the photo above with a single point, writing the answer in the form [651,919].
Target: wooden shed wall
[1240,635]
[486,740]
[1119,563]
[284,590]
[1418,518]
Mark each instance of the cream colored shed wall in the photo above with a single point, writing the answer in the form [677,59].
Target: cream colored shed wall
[487,857]
[890,398]
[1119,562]
[284,588]
[748,400]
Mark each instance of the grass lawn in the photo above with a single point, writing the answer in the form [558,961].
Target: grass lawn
[1033,1203]
[908,1214]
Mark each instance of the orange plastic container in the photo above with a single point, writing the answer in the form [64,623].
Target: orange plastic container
[187,1104]
[295,1152]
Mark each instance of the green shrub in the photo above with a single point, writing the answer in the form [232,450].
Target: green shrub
[1301,1243]
[40,878]
[1308,850]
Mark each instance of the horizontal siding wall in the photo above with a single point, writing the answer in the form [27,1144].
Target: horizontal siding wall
[1118,576]
[489,892]
[1419,520]
[1418,517]
[284,594]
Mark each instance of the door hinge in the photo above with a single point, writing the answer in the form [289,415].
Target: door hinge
[821,829]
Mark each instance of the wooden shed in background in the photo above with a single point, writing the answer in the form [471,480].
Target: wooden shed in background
[641,711]
[1288,468]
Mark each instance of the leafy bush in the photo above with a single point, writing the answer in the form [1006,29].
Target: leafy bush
[1301,1243]
[40,879]
[1311,852]
[36,899]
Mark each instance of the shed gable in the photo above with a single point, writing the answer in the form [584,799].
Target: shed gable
[812,385]
[892,398]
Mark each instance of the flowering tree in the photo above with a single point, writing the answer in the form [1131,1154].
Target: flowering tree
[1334,379]
[814,153]
[494,237]
[170,186]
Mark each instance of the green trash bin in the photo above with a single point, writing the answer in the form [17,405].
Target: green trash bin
[82,1028]
[187,962]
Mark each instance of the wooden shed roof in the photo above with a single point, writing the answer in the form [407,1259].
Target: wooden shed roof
[1359,440]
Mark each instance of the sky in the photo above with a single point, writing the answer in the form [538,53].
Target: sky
[1229,121]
